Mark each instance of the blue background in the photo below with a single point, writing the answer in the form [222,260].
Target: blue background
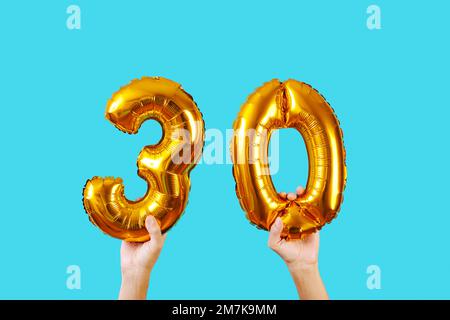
[389,88]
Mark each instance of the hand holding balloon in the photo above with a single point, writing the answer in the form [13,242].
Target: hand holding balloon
[137,261]
[300,256]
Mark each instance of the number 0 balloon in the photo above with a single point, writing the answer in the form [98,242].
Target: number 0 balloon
[290,104]
[165,166]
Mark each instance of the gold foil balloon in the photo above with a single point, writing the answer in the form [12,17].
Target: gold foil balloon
[290,104]
[165,166]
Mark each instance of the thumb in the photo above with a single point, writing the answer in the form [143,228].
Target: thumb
[275,234]
[152,226]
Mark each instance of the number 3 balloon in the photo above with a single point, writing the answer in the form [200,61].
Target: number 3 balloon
[167,176]
[291,104]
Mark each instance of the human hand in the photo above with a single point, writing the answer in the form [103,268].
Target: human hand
[300,256]
[137,261]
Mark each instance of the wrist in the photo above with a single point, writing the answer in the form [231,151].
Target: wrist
[303,268]
[135,275]
[135,272]
[134,284]
[307,280]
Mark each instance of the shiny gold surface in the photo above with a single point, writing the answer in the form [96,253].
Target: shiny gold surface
[166,173]
[290,104]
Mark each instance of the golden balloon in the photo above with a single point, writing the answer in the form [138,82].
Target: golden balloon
[290,104]
[164,166]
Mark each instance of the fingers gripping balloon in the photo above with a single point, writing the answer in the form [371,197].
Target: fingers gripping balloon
[291,104]
[165,166]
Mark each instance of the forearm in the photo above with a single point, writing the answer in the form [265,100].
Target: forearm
[308,282]
[134,285]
